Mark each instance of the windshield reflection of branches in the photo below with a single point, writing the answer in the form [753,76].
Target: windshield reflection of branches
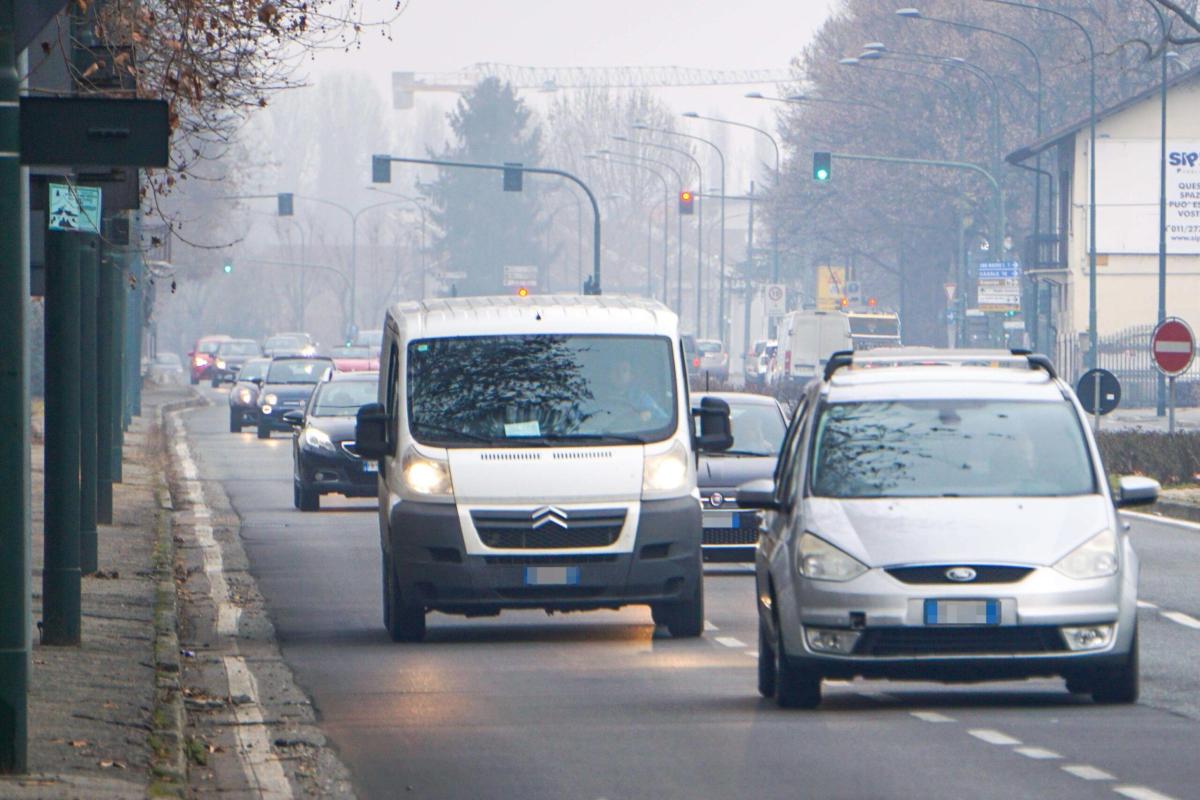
[861,453]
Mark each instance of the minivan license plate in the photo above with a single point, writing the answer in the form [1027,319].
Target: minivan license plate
[551,576]
[962,612]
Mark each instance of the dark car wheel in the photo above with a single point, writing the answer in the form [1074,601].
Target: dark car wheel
[684,618]
[795,687]
[309,498]
[194,379]
[1119,685]
[216,381]
[235,421]
[264,431]
[404,622]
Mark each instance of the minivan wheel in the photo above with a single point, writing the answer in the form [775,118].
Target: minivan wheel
[795,687]
[766,661]
[235,421]
[1119,685]
[264,431]
[404,623]
[684,618]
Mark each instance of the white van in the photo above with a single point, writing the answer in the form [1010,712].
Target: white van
[806,340]
[537,452]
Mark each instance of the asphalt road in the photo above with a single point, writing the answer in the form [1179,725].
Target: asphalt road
[595,705]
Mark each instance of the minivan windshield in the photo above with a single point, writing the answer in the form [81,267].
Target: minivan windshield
[541,389]
[950,448]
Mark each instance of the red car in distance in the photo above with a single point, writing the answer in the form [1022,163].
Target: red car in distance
[355,358]
[202,358]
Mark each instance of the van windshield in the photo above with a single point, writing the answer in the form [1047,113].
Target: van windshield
[950,448]
[541,390]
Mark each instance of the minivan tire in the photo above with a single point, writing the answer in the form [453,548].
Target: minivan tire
[235,421]
[264,431]
[404,622]
[766,661]
[684,618]
[1119,685]
[795,687]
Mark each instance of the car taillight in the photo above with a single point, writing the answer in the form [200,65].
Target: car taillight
[695,362]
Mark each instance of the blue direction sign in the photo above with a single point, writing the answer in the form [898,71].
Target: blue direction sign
[74,208]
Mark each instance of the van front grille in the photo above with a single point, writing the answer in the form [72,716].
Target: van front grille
[549,528]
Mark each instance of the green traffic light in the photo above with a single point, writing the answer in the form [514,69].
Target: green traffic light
[822,175]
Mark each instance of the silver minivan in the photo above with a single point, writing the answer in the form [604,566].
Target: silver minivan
[944,515]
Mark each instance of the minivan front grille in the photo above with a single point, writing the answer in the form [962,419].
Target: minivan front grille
[984,573]
[960,640]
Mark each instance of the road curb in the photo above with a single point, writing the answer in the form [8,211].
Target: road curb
[168,765]
[1176,510]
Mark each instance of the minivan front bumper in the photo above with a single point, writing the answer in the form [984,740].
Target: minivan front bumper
[433,568]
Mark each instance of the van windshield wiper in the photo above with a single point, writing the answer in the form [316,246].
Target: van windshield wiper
[589,437]
[474,437]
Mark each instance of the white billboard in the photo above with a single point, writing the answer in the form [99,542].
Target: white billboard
[1127,191]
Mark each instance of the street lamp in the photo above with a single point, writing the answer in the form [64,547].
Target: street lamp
[721,260]
[419,205]
[800,99]
[666,211]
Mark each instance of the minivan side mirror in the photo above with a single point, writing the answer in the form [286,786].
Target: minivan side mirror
[370,432]
[1133,490]
[758,494]
[716,434]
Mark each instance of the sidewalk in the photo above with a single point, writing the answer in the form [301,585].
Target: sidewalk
[98,725]
[1186,419]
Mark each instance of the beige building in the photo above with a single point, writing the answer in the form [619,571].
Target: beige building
[1127,225]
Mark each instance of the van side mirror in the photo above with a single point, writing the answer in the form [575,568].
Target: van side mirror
[370,432]
[716,434]
[1136,491]
[758,494]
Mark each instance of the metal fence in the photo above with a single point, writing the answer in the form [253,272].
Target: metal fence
[1127,355]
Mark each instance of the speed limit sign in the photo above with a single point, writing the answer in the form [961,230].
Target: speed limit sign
[776,299]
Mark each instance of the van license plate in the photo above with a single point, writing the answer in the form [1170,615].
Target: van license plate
[962,612]
[551,576]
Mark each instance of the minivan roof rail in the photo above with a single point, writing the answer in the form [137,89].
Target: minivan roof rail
[918,356]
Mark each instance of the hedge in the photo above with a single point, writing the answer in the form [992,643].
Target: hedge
[1170,460]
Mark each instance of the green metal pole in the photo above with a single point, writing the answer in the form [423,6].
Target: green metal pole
[15,566]
[89,278]
[137,322]
[118,419]
[60,572]
[106,379]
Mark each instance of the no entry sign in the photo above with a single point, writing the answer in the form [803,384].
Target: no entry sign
[1173,346]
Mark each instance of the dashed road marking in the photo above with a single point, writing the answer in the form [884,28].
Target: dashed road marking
[752,653]
[708,626]
[1088,772]
[730,641]
[993,737]
[1039,753]
[1140,793]
[1145,604]
[1187,620]
[931,716]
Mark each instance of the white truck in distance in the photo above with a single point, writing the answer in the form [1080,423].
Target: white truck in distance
[808,338]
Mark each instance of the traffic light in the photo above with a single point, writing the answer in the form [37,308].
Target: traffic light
[284,202]
[227,266]
[822,166]
[513,176]
[523,292]
[381,169]
[687,201]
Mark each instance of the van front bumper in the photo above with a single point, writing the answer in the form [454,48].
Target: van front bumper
[433,568]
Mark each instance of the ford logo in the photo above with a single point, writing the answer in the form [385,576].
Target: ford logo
[960,574]
[716,499]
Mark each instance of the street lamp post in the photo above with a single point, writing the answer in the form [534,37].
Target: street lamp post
[666,210]
[420,207]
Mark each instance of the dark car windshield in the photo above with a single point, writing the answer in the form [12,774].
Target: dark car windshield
[298,370]
[758,429]
[950,448]
[208,346]
[254,369]
[706,346]
[238,349]
[344,398]
[541,389]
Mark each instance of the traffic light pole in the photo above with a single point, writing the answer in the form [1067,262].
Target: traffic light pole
[590,287]
[15,561]
[89,278]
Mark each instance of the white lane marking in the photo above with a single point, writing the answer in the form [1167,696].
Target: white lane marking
[1144,604]
[729,641]
[263,769]
[1040,753]
[836,682]
[752,653]
[708,626]
[881,697]
[1088,772]
[1187,620]
[993,737]
[1141,793]
[1181,523]
[931,716]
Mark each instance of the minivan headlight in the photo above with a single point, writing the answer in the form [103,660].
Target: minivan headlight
[666,474]
[1095,558]
[821,561]
[428,477]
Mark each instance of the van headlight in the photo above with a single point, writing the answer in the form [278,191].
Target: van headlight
[428,477]
[821,561]
[666,474]
[1095,558]
[318,440]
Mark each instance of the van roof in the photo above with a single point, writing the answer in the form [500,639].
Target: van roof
[474,316]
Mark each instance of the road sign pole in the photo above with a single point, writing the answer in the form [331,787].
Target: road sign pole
[1096,400]
[60,573]
[1171,399]
[15,568]
[89,266]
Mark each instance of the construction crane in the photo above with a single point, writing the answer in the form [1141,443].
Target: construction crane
[405,85]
